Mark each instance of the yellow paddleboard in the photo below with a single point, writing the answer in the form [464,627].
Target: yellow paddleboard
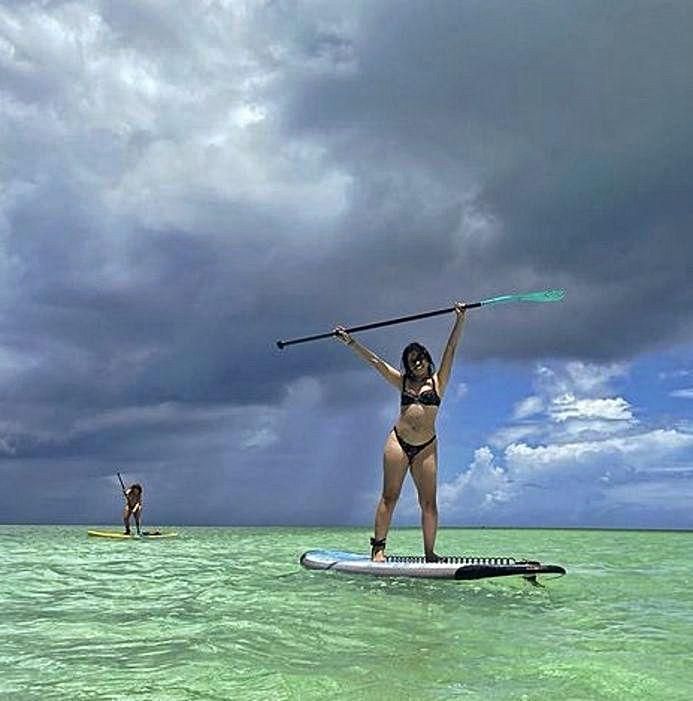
[146,535]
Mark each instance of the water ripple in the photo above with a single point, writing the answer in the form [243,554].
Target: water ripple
[228,613]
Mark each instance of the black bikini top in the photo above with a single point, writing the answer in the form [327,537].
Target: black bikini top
[429,397]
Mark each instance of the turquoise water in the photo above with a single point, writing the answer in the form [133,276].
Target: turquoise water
[227,613]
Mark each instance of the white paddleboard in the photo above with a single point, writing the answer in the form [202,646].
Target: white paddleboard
[411,566]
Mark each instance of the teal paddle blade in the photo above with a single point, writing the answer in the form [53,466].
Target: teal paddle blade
[545,296]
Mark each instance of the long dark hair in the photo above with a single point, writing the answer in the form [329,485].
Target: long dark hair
[421,350]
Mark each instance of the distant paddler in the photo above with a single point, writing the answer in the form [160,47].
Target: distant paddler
[133,504]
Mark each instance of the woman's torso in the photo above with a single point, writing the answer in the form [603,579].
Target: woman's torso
[419,404]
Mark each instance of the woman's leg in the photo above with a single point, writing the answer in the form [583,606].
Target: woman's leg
[424,473]
[395,465]
[126,520]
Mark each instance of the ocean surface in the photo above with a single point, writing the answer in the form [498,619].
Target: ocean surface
[228,613]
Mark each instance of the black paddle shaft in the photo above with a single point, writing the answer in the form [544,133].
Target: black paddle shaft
[376,324]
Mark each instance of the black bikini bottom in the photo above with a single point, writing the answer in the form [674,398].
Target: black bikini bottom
[411,451]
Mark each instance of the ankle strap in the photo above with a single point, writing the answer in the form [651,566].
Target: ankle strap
[378,543]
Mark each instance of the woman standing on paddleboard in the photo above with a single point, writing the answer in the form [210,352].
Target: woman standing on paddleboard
[412,444]
[133,507]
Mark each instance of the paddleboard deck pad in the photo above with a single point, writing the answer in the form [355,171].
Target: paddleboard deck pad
[146,535]
[411,566]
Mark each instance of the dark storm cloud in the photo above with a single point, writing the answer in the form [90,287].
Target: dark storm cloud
[186,183]
[567,123]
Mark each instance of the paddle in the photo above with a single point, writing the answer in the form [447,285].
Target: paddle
[545,296]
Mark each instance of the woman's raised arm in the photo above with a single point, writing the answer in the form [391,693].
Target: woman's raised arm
[446,361]
[392,375]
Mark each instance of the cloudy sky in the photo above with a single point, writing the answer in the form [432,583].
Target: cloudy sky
[184,183]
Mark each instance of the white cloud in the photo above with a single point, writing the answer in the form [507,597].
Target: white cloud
[640,450]
[579,378]
[513,434]
[686,393]
[567,406]
[574,460]
[587,429]
[528,407]
[481,487]
[564,483]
